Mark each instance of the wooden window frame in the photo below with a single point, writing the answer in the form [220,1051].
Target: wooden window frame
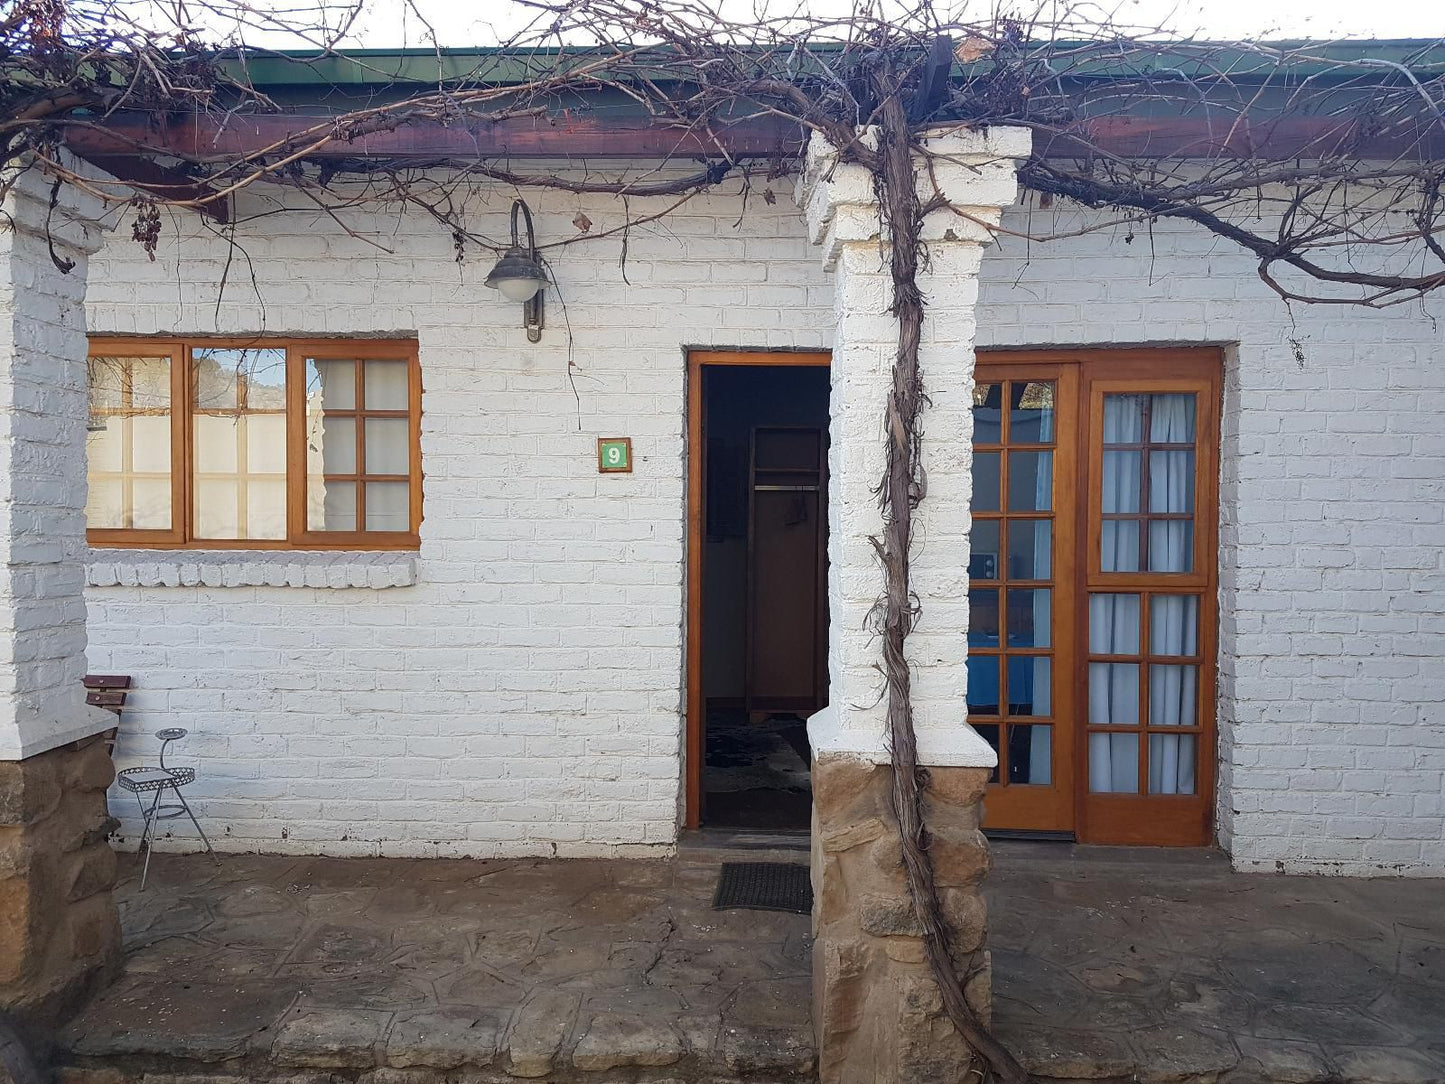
[180,536]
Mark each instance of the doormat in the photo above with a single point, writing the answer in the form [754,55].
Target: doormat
[764,886]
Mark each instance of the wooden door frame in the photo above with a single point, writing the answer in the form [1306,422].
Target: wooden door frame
[696,454]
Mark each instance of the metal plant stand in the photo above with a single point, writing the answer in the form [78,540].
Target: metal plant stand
[156,781]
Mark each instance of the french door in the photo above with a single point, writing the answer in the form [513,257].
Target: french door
[1092,591]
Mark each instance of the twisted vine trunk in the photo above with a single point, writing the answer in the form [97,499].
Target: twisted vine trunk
[900,490]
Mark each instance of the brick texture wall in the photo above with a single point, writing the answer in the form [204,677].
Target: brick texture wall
[523,694]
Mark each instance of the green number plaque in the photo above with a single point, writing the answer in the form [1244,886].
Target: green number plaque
[614,455]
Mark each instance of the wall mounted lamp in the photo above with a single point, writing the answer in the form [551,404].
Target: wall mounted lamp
[520,276]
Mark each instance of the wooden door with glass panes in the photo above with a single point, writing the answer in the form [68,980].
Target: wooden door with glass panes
[1092,583]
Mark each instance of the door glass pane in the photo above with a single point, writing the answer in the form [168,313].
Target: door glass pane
[1123,418]
[1171,545]
[1122,472]
[1114,693]
[1171,763]
[386,385]
[1171,481]
[1171,418]
[1030,754]
[1119,545]
[1030,481]
[983,617]
[1114,763]
[1030,549]
[983,545]
[1031,418]
[1029,685]
[388,506]
[1173,695]
[988,414]
[985,482]
[983,684]
[1030,616]
[1113,624]
[1173,625]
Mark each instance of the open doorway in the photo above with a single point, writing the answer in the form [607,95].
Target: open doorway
[757,570]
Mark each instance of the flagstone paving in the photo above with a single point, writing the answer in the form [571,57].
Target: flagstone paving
[1109,966]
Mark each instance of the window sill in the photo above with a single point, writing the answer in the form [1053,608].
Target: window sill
[250,568]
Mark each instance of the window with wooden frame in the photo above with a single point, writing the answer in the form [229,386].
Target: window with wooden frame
[254,444]
[1092,590]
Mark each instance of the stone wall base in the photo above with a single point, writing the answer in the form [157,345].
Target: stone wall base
[876,1009]
[59,933]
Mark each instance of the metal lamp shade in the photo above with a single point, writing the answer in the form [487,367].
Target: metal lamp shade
[517,275]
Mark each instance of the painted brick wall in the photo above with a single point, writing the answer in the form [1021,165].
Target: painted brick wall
[1332,587]
[524,693]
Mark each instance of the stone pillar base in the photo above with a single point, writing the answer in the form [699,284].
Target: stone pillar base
[59,934]
[876,1009]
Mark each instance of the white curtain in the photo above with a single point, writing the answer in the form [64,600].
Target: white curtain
[1113,692]
[1123,424]
[1171,483]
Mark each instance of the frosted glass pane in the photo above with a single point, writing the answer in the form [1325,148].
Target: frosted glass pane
[335,507]
[215,442]
[338,445]
[386,446]
[151,444]
[266,443]
[1171,763]
[266,508]
[1114,763]
[1114,693]
[388,506]
[151,504]
[103,446]
[386,385]
[216,512]
[105,505]
[333,383]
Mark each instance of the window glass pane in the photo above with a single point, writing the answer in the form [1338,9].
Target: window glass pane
[1114,693]
[1173,625]
[983,617]
[1171,545]
[983,546]
[1171,481]
[1121,482]
[1113,624]
[387,385]
[387,442]
[331,506]
[128,443]
[332,382]
[1030,754]
[1123,419]
[1119,545]
[1029,685]
[1029,616]
[1114,763]
[1171,763]
[988,414]
[1030,546]
[1171,418]
[1031,418]
[983,684]
[1173,695]
[338,445]
[985,481]
[1030,481]
[388,506]
[239,442]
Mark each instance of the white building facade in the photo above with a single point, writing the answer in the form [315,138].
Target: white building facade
[517,685]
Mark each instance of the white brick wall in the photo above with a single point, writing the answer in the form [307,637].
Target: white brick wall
[525,693]
[1332,588]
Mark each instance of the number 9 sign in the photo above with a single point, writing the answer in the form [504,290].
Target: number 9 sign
[614,455]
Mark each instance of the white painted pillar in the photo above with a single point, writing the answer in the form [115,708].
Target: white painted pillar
[43,412]
[976,172]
